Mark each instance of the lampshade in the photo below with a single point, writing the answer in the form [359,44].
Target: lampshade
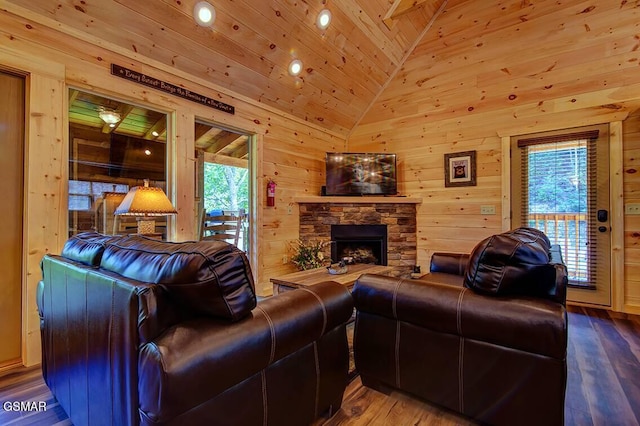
[145,201]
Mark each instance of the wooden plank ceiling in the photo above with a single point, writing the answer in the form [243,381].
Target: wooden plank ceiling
[378,59]
[251,44]
[498,64]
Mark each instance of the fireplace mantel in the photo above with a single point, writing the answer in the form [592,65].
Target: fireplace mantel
[357,200]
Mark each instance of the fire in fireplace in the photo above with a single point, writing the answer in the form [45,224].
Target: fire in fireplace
[359,243]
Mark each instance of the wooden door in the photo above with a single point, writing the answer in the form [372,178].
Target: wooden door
[12,123]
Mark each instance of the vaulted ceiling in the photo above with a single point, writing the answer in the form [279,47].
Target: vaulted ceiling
[379,59]
[252,42]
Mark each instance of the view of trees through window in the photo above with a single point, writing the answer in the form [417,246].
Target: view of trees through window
[558,180]
[557,186]
[225,187]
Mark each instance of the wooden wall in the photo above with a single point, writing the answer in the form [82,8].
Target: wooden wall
[631,135]
[491,70]
[289,151]
[484,72]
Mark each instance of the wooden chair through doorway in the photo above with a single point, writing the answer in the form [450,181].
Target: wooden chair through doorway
[222,226]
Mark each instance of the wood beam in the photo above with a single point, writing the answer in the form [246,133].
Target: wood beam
[159,126]
[73,94]
[227,161]
[241,150]
[223,139]
[401,7]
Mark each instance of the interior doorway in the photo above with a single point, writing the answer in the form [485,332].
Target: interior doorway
[224,174]
[12,124]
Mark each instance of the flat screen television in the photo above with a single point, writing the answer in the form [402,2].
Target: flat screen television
[352,173]
[135,158]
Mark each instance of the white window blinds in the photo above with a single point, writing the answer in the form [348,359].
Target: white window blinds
[559,197]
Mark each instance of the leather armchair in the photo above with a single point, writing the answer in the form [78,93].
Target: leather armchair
[137,331]
[496,356]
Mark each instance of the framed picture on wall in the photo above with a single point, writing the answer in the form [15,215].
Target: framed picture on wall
[460,169]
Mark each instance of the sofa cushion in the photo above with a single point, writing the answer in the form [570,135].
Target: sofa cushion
[87,247]
[512,263]
[207,277]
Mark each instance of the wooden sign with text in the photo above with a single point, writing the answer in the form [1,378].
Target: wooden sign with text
[172,89]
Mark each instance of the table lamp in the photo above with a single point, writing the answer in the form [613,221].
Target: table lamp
[146,202]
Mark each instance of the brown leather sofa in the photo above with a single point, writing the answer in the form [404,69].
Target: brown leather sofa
[138,331]
[482,334]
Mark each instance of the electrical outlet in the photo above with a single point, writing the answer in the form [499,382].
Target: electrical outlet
[487,209]
[285,259]
[632,209]
[289,209]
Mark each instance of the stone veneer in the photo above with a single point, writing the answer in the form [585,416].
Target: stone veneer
[316,220]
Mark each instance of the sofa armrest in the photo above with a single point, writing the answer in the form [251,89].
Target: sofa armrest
[560,294]
[197,360]
[331,306]
[530,324]
[90,330]
[449,263]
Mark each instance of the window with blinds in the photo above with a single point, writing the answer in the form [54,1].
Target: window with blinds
[558,196]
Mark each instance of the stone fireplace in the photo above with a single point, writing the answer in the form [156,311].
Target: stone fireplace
[397,215]
[359,243]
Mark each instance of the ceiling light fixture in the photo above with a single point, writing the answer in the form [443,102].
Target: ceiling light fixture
[109,116]
[295,67]
[204,14]
[324,19]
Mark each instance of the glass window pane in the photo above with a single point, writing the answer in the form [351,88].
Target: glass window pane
[105,160]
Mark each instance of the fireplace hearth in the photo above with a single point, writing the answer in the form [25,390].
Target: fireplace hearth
[359,243]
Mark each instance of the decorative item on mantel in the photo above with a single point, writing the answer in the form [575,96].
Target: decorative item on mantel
[309,254]
[146,202]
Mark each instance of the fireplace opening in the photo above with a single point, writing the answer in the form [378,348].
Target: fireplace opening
[359,243]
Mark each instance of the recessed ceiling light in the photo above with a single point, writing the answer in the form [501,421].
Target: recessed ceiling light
[147,152]
[324,19]
[204,14]
[295,67]
[155,134]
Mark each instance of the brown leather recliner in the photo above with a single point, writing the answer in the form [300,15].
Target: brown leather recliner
[482,334]
[138,331]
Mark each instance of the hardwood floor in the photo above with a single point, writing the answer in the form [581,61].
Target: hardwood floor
[26,384]
[603,386]
[603,381]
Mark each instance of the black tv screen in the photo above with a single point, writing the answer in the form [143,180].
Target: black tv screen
[136,158]
[350,173]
